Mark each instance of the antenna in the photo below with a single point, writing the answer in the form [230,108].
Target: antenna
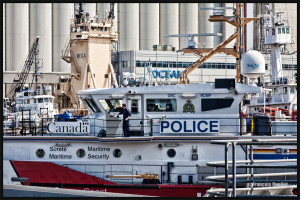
[218,11]
[191,44]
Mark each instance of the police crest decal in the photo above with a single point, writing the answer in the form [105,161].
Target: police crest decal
[188,107]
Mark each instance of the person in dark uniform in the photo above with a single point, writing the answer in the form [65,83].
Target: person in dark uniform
[126,114]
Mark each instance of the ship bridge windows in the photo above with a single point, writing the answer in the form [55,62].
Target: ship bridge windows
[106,29]
[279,30]
[92,105]
[287,30]
[161,105]
[273,31]
[283,30]
[215,103]
[100,29]
[40,100]
[111,105]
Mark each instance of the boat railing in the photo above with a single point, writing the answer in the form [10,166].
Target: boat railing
[166,172]
[250,178]
[152,127]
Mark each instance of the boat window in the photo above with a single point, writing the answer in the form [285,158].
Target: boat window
[34,100]
[267,31]
[285,90]
[27,101]
[161,105]
[46,100]
[92,105]
[283,30]
[111,105]
[40,100]
[134,106]
[279,30]
[107,29]
[292,90]
[19,101]
[273,31]
[100,28]
[215,103]
[94,28]
[287,30]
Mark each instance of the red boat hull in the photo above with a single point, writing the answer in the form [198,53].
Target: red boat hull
[52,175]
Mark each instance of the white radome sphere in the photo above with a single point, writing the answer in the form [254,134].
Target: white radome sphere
[253,64]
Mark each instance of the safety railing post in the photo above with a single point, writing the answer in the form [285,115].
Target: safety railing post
[251,169]
[226,170]
[233,170]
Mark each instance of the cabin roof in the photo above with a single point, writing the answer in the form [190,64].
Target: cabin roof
[177,89]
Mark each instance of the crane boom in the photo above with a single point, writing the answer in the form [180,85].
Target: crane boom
[21,78]
[187,71]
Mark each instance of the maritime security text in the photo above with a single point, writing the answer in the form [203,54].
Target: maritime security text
[89,152]
[189,126]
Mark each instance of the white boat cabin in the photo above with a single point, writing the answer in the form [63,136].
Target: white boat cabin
[169,110]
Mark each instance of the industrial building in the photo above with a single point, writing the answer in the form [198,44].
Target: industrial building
[140,26]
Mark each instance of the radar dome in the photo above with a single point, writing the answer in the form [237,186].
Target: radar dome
[253,64]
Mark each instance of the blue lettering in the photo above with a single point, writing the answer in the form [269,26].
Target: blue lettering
[172,126]
[253,65]
[172,74]
[177,75]
[212,125]
[165,74]
[194,126]
[185,126]
[162,126]
[199,124]
[155,73]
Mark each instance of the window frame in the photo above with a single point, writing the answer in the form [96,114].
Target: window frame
[220,103]
[174,109]
[87,101]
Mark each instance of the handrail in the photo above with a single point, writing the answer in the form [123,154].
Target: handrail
[233,178]
[151,127]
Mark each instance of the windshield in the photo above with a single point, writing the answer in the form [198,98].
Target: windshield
[112,105]
[92,105]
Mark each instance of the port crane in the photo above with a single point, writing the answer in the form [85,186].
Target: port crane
[218,16]
[21,78]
